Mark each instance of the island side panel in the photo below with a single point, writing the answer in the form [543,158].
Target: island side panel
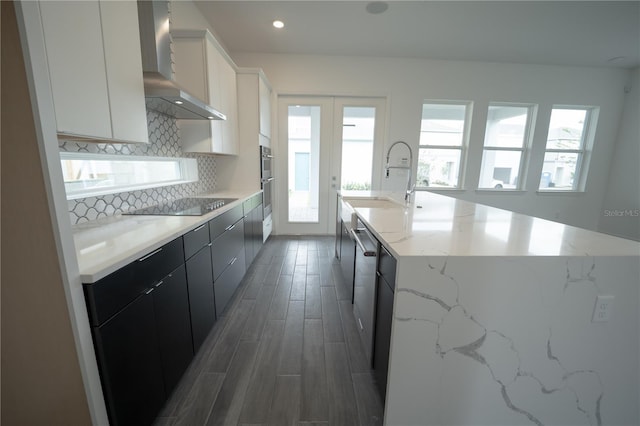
[510,341]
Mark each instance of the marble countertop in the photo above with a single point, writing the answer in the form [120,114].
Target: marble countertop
[106,245]
[437,225]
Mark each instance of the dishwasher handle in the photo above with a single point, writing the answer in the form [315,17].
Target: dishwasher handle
[365,252]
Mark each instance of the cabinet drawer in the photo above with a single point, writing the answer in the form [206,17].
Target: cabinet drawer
[387,267]
[157,264]
[112,293]
[228,282]
[219,224]
[196,239]
[226,247]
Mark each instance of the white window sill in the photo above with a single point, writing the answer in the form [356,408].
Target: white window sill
[429,189]
[500,191]
[560,192]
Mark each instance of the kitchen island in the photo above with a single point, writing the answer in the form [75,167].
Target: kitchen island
[493,317]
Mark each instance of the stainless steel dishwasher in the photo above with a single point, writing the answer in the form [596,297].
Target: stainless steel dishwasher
[364,289]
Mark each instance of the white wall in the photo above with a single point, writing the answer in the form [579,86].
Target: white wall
[186,15]
[407,82]
[619,214]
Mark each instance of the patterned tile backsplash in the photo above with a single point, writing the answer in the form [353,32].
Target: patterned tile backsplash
[164,141]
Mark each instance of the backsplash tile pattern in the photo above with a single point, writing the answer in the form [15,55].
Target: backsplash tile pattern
[164,141]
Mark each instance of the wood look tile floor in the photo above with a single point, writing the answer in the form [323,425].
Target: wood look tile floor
[285,352]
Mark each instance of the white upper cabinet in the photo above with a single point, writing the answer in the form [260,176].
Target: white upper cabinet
[254,104]
[203,69]
[124,70]
[95,69]
[265,107]
[229,104]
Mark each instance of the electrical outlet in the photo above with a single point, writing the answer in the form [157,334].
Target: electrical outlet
[602,310]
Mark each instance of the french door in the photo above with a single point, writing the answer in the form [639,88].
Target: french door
[325,143]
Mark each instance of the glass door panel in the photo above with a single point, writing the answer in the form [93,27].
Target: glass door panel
[358,129]
[304,163]
[325,144]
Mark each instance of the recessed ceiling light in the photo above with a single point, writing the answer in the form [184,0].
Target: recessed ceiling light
[278,24]
[178,102]
[210,117]
[377,7]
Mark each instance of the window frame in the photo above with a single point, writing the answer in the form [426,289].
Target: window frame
[524,149]
[586,142]
[462,148]
[188,173]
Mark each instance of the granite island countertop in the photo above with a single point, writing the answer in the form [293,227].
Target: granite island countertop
[105,245]
[437,225]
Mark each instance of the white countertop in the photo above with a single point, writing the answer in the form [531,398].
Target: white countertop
[437,225]
[106,245]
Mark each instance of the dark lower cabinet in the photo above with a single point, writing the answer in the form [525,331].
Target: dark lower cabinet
[226,247]
[385,289]
[150,317]
[253,230]
[258,230]
[227,283]
[201,298]
[171,305]
[130,364]
[347,257]
[382,341]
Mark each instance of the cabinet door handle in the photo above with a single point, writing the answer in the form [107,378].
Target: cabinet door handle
[199,227]
[233,261]
[360,323]
[230,227]
[209,245]
[149,291]
[158,284]
[142,259]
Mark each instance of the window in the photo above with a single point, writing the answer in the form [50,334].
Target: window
[89,175]
[443,135]
[565,149]
[506,137]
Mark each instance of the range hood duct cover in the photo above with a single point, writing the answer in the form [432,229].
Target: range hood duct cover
[162,93]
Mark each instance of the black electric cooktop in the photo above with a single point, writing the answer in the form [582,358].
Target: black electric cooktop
[184,207]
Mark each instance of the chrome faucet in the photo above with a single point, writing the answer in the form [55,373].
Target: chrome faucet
[410,188]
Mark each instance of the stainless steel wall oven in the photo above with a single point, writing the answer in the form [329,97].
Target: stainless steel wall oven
[266,179]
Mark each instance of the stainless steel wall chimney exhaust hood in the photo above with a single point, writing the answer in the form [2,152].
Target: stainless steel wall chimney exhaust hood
[162,93]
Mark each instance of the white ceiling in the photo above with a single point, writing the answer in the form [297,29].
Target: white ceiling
[580,33]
